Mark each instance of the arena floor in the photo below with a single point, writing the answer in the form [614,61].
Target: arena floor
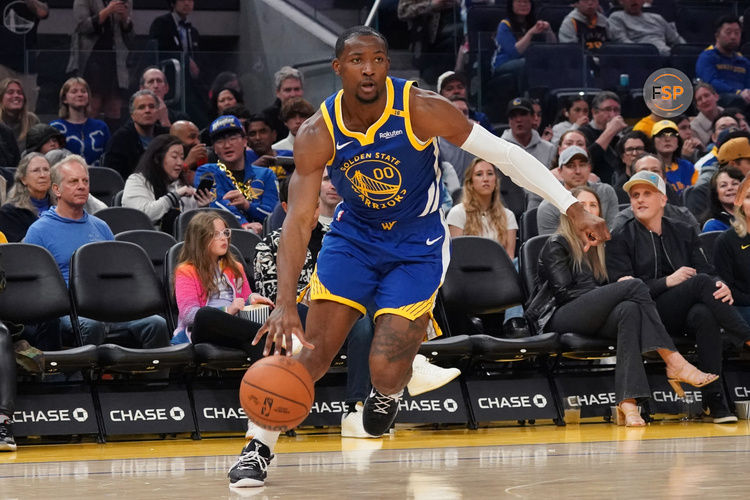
[672,460]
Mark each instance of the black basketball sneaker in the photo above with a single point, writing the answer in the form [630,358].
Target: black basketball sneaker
[250,469]
[379,413]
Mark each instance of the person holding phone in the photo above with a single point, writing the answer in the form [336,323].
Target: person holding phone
[157,187]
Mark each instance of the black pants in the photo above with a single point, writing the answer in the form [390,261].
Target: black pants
[622,310]
[217,327]
[7,373]
[690,307]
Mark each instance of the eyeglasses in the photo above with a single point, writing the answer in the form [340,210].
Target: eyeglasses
[632,151]
[224,233]
[668,134]
[226,140]
[611,109]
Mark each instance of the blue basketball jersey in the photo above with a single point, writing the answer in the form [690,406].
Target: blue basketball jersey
[386,174]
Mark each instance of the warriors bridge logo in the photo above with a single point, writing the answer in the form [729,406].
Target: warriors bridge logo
[375,178]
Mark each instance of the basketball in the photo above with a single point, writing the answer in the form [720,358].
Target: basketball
[277,393]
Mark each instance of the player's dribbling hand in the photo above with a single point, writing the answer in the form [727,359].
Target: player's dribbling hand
[280,325]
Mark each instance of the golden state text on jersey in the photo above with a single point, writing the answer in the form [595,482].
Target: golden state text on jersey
[386,173]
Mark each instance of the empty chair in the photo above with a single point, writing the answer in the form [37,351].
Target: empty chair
[553,65]
[35,292]
[527,227]
[155,243]
[708,240]
[553,14]
[115,282]
[628,49]
[105,183]
[683,57]
[481,280]
[120,219]
[245,242]
[637,66]
[183,220]
[117,199]
[695,22]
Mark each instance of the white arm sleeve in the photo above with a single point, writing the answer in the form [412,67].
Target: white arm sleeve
[520,166]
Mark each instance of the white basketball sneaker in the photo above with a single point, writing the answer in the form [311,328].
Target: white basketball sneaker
[351,424]
[427,377]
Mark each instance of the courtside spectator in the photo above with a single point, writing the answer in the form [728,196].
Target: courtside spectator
[248,191]
[99,53]
[452,84]
[521,132]
[707,101]
[84,136]
[585,24]
[293,112]
[668,145]
[289,83]
[722,66]
[155,80]
[692,149]
[630,147]
[514,35]
[481,211]
[173,32]
[674,210]
[159,188]
[723,192]
[536,120]
[632,25]
[731,258]
[14,111]
[43,138]
[260,138]
[575,169]
[575,114]
[602,134]
[31,196]
[66,227]
[128,143]
[667,256]
[194,150]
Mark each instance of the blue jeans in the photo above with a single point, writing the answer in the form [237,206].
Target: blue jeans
[517,311]
[149,333]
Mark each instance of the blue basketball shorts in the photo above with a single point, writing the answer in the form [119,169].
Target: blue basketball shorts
[386,268]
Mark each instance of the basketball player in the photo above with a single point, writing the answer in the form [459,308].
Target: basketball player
[388,247]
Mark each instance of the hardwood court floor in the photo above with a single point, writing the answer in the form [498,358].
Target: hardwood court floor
[665,460]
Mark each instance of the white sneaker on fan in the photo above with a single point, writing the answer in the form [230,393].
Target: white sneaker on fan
[427,377]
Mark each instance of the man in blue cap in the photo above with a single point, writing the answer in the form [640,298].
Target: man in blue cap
[248,191]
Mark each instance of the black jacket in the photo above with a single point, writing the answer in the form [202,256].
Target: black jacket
[9,154]
[14,222]
[557,282]
[632,251]
[164,31]
[125,149]
[732,262]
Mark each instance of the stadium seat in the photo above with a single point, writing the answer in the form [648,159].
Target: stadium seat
[684,56]
[245,242]
[553,14]
[36,292]
[638,67]
[554,65]
[183,220]
[527,225]
[117,199]
[481,280]
[695,22]
[155,243]
[105,183]
[665,8]
[114,281]
[120,219]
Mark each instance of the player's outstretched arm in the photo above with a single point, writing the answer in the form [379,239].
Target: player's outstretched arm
[433,116]
[313,147]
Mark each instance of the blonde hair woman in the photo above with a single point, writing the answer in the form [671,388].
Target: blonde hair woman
[482,212]
[574,289]
[13,110]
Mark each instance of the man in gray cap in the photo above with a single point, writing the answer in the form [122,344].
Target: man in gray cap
[522,133]
[575,168]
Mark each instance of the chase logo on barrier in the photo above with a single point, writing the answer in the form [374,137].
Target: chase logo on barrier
[53,414]
[511,399]
[593,393]
[738,383]
[145,412]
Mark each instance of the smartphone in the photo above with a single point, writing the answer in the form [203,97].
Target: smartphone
[206,184]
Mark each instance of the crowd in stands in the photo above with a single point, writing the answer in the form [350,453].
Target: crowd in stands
[658,182]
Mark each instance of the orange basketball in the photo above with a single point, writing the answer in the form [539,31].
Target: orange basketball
[277,393]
